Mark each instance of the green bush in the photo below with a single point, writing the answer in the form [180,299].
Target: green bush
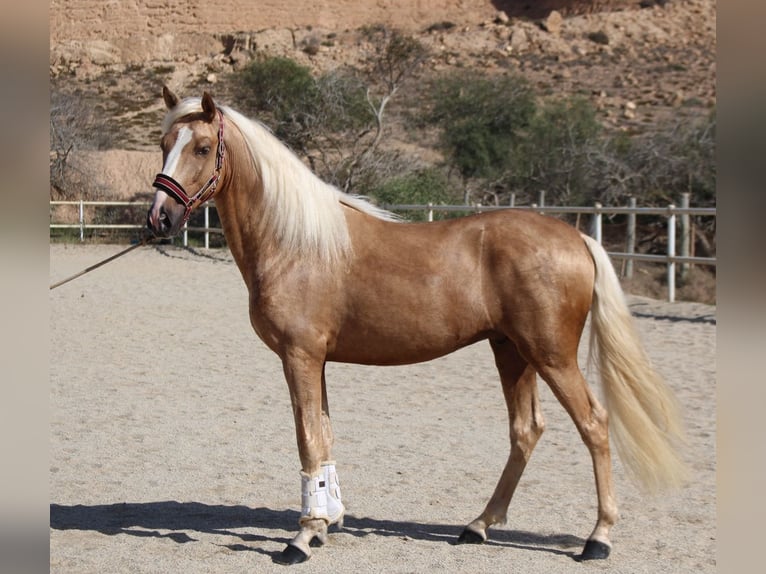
[278,86]
[418,187]
[497,136]
[480,118]
[556,153]
[320,118]
[280,92]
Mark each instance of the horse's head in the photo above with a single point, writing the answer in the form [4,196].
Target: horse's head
[192,152]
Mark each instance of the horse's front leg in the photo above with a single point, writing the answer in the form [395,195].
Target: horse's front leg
[321,503]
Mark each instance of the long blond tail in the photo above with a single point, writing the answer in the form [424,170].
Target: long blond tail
[643,414]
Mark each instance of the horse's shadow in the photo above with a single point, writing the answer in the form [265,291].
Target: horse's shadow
[183,519]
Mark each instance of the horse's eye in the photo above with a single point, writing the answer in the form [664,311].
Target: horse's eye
[203,151]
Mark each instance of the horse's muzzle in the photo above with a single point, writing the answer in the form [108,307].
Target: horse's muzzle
[158,222]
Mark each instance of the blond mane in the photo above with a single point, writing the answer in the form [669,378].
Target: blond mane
[302,212]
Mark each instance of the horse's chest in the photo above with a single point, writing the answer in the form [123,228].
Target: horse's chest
[294,315]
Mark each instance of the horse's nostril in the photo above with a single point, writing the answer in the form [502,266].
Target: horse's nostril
[158,222]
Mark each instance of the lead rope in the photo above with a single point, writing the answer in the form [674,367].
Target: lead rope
[147,239]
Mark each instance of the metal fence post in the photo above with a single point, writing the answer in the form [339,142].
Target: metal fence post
[630,240]
[186,234]
[207,226]
[671,253]
[685,234]
[82,222]
[597,223]
[430,211]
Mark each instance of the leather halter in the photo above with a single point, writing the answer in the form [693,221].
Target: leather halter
[176,190]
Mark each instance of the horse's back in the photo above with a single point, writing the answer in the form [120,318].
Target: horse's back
[521,248]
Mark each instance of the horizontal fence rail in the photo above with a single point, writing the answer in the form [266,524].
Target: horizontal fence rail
[671,213]
[82,225]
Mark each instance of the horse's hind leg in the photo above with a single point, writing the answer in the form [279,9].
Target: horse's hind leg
[590,418]
[526,425]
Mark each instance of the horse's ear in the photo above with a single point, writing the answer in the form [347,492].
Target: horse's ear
[171,100]
[208,107]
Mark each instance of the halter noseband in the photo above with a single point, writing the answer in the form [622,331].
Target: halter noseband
[176,190]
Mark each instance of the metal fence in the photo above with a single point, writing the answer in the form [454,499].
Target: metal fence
[83,224]
[678,226]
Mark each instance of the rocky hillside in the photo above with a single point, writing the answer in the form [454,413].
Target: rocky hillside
[85,20]
[640,62]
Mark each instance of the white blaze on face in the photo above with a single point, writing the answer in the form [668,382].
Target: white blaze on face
[171,163]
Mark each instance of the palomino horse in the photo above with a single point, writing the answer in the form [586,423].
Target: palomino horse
[333,278]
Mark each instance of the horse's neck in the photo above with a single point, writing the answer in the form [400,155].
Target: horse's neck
[267,232]
[239,207]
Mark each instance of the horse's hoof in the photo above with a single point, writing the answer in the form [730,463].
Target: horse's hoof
[316,542]
[291,555]
[469,536]
[595,550]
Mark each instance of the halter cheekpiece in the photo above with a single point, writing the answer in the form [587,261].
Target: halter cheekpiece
[176,190]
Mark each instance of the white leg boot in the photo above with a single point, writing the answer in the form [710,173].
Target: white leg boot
[335,508]
[320,495]
[321,506]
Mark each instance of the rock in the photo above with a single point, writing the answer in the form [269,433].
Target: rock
[553,22]
[579,50]
[101,53]
[87,71]
[519,41]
